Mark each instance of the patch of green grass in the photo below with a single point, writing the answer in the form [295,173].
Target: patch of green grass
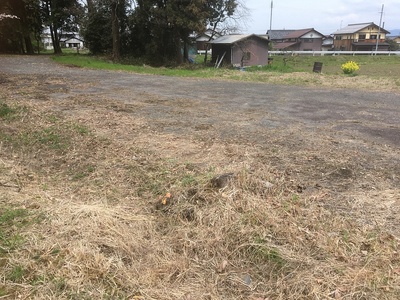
[16,274]
[82,130]
[370,65]
[9,241]
[3,291]
[52,138]
[38,280]
[382,66]
[13,217]
[10,221]
[189,70]
[49,137]
[260,252]
[188,180]
[53,119]
[6,111]
[345,235]
[84,172]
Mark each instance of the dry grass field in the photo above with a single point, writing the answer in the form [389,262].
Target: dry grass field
[98,204]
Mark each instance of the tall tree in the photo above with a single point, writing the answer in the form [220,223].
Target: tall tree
[116,41]
[169,23]
[26,24]
[105,26]
[61,16]
[219,12]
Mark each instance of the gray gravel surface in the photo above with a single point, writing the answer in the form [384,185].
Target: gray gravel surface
[365,115]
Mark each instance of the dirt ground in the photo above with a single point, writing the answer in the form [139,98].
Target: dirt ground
[361,128]
[341,146]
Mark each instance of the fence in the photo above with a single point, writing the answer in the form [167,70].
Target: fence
[322,53]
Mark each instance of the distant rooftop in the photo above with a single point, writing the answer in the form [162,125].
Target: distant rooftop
[234,38]
[353,28]
[279,34]
[289,34]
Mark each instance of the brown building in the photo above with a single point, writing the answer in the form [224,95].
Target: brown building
[360,37]
[296,40]
[241,50]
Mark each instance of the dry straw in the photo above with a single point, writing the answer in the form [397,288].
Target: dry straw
[284,225]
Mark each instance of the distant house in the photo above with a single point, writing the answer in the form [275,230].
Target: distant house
[360,37]
[327,43]
[241,50]
[296,40]
[73,42]
[394,38]
[69,40]
[46,40]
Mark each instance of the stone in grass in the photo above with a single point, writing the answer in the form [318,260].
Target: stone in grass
[222,180]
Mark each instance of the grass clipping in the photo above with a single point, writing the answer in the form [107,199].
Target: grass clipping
[112,216]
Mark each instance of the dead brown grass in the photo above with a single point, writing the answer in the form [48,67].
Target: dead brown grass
[336,81]
[286,226]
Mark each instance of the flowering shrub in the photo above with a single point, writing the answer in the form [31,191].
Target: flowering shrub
[350,67]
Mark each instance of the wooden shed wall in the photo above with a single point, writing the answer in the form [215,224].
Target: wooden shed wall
[257,49]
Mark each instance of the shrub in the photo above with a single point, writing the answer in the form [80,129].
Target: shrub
[350,67]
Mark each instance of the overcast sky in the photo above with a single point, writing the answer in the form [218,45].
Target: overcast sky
[322,15]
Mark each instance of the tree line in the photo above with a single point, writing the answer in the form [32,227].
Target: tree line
[158,30]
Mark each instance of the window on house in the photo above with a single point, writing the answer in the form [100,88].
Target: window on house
[361,36]
[246,55]
[372,36]
[307,40]
[338,37]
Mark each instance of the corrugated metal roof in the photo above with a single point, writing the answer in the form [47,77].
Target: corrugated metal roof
[234,38]
[353,28]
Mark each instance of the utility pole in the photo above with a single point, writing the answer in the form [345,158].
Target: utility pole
[270,19]
[379,31]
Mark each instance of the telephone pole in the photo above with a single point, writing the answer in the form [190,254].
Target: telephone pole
[379,31]
[270,19]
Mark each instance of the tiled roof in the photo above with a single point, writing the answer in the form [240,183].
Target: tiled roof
[298,33]
[279,34]
[289,34]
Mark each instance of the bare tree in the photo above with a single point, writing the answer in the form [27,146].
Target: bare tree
[227,16]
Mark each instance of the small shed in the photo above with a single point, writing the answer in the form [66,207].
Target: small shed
[241,50]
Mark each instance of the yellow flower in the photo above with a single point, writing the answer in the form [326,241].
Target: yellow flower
[350,67]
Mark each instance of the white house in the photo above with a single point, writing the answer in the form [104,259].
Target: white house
[74,42]
[68,40]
